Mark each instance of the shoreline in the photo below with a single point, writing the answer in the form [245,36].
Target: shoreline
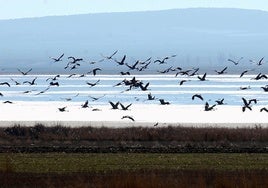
[30,113]
[119,124]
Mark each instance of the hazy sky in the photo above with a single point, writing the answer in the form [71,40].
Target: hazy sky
[10,9]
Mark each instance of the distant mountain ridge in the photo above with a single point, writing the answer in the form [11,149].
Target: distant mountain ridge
[203,37]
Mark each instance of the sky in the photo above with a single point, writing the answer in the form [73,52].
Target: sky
[11,9]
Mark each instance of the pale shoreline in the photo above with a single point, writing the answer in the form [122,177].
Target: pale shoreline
[47,113]
[117,124]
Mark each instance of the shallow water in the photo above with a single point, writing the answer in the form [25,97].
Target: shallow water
[161,86]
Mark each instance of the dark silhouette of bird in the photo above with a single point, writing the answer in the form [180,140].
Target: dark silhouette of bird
[150,97]
[242,74]
[182,82]
[93,84]
[5,83]
[111,56]
[63,109]
[246,105]
[57,59]
[114,105]
[122,60]
[96,98]
[144,88]
[235,62]
[245,87]
[144,67]
[30,82]
[71,75]
[183,72]
[74,60]
[132,67]
[155,124]
[265,88]
[260,62]
[16,82]
[162,61]
[94,71]
[167,70]
[253,100]
[96,109]
[260,76]
[85,105]
[125,107]
[125,73]
[70,98]
[28,91]
[220,101]
[25,73]
[53,78]
[54,84]
[222,71]
[209,108]
[43,91]
[203,78]
[8,102]
[75,66]
[128,117]
[163,102]
[263,109]
[198,96]
[195,70]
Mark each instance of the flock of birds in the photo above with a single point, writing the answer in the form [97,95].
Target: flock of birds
[138,66]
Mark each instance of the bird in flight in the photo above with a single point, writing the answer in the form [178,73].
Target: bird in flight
[85,105]
[31,83]
[57,59]
[260,62]
[128,117]
[246,105]
[25,73]
[182,82]
[235,62]
[162,61]
[222,71]
[111,56]
[125,107]
[63,109]
[198,96]
[209,108]
[94,71]
[203,78]
[43,91]
[163,102]
[150,97]
[122,60]
[5,83]
[220,101]
[263,109]
[93,84]
[114,105]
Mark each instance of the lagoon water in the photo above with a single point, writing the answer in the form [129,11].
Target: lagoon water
[161,86]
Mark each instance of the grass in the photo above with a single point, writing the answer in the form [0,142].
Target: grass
[107,162]
[176,139]
[40,132]
[167,166]
[133,170]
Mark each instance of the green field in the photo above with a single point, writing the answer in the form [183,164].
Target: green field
[133,170]
[59,156]
[72,163]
